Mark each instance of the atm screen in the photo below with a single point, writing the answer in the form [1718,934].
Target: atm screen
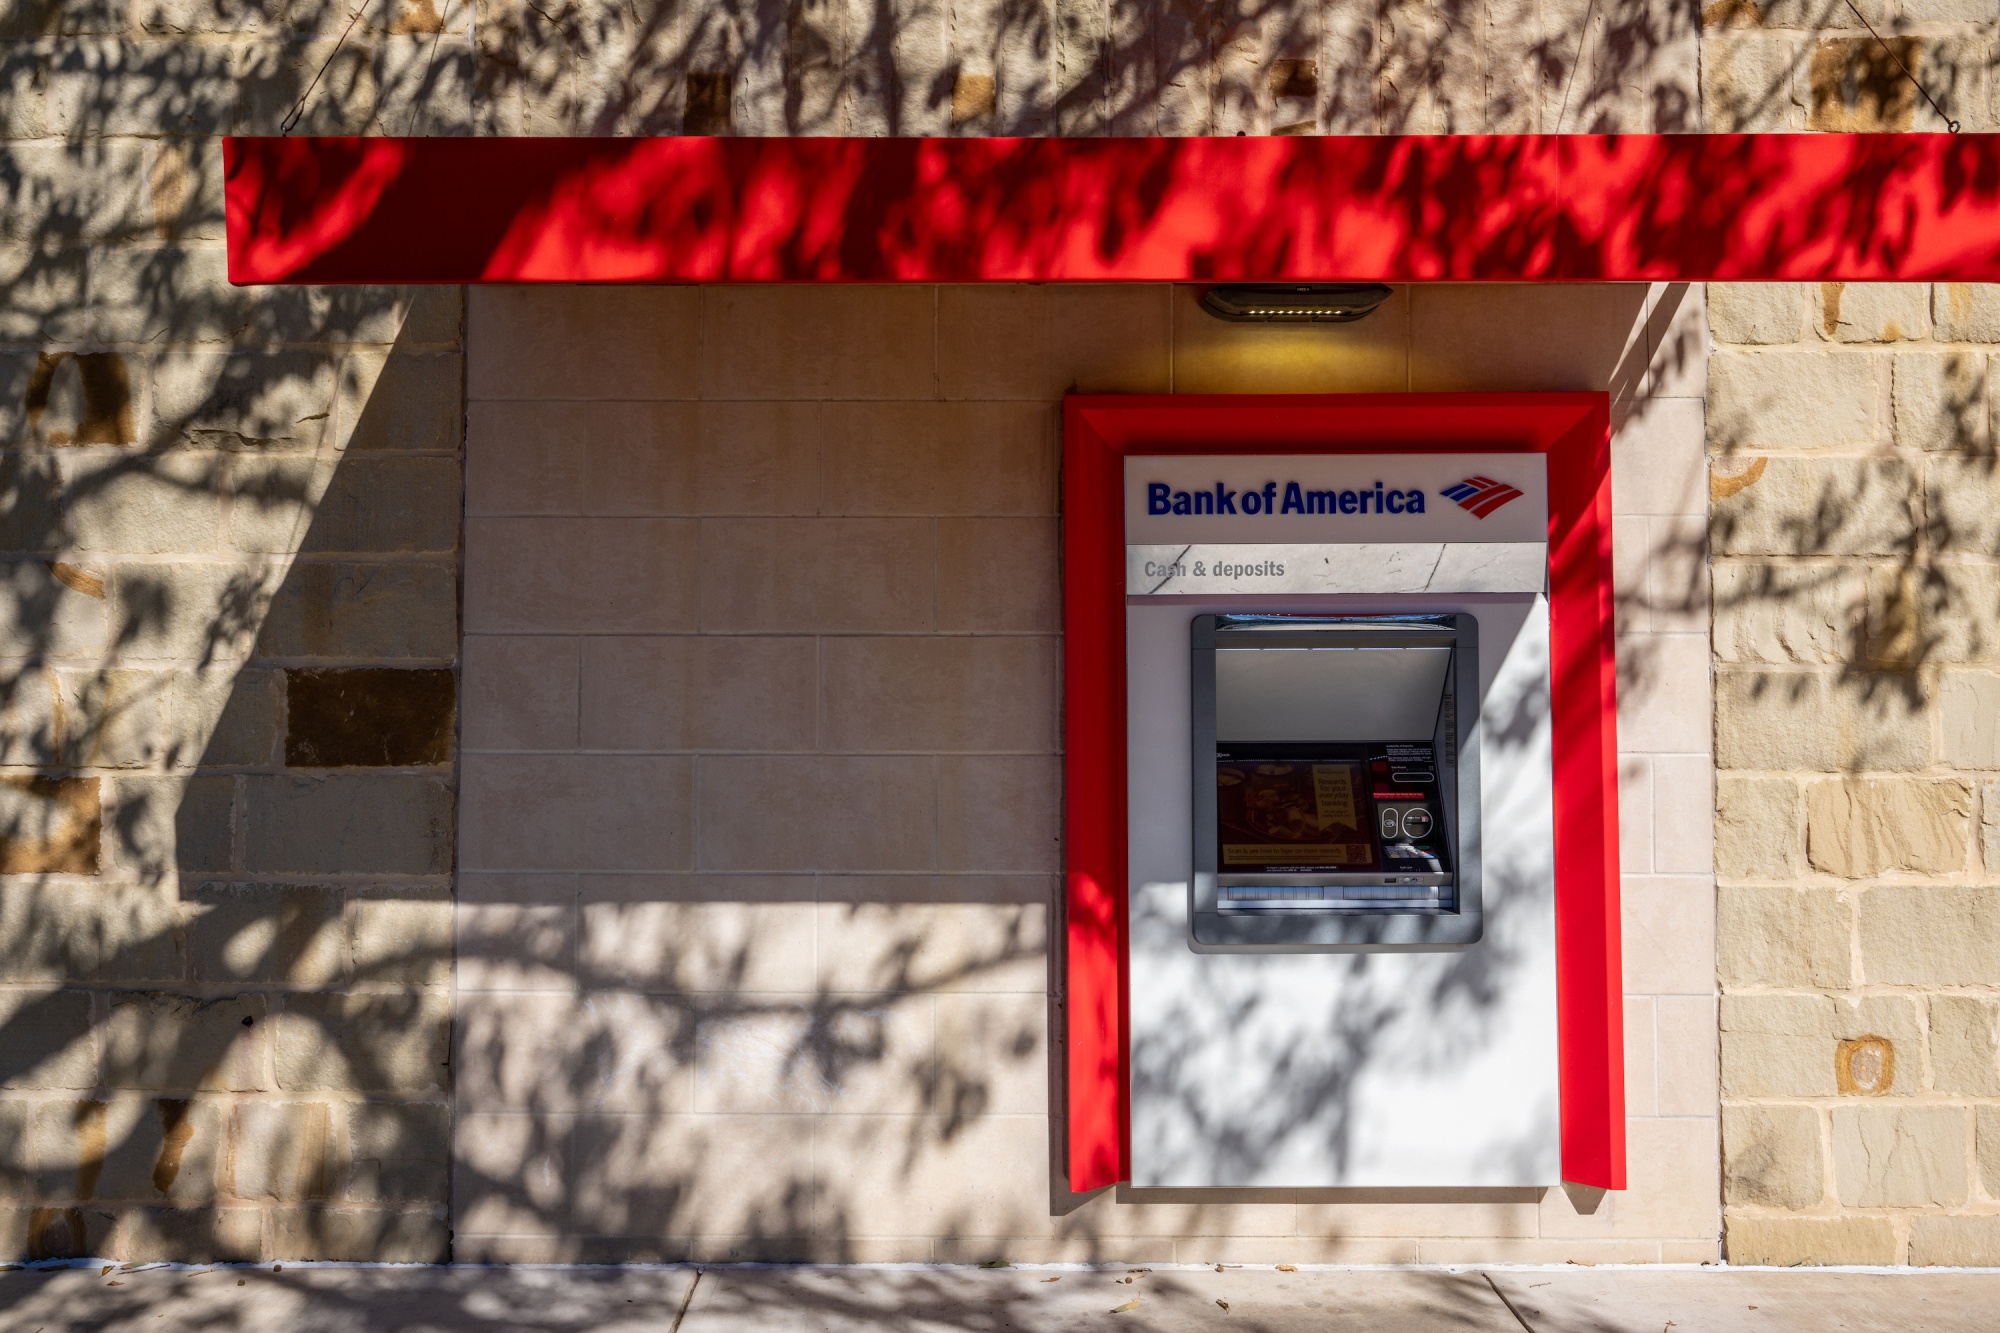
[1328,809]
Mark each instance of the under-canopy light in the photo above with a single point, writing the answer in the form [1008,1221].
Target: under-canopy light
[1294,302]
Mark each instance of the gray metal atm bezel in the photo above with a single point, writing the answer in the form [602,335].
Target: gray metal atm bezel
[1213,931]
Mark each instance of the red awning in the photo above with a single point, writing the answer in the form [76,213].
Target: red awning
[1578,208]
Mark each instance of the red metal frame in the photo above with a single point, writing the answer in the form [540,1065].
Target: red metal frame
[1574,430]
[1693,207]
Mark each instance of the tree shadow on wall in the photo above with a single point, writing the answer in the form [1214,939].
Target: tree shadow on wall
[218,907]
[1129,69]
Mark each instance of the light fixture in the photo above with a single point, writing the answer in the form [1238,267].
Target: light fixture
[1294,302]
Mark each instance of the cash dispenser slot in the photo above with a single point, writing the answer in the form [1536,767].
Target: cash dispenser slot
[1335,782]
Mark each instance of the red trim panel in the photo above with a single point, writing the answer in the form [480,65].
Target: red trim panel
[1695,207]
[1574,429]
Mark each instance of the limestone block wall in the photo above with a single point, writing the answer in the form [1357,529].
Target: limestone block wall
[228,633]
[761,812]
[1857,710]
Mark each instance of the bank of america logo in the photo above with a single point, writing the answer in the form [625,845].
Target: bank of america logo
[1481,495]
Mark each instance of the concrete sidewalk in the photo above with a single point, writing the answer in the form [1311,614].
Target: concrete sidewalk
[960,1300]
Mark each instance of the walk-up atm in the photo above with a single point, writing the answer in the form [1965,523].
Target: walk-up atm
[1340,835]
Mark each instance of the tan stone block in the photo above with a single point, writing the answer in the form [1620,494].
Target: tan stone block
[371,503]
[998,574]
[817,341]
[157,828]
[768,1055]
[364,1043]
[881,936]
[1872,312]
[348,822]
[1989,826]
[1966,311]
[1957,1242]
[1787,613]
[1819,722]
[992,1055]
[281,1151]
[235,715]
[900,1176]
[1042,341]
[681,1175]
[359,1235]
[578,812]
[1669,935]
[711,693]
[50,1043]
[549,575]
[1900,1156]
[1813,506]
[916,694]
[1747,84]
[826,574]
[1757,827]
[555,342]
[398,1152]
[1969,713]
[51,825]
[188,1235]
[845,812]
[405,400]
[39,605]
[519,693]
[129,1148]
[178,1042]
[373,613]
[1960,494]
[938,458]
[1790,400]
[150,504]
[1687,1053]
[113,719]
[1658,464]
[698,933]
[1772,1157]
[1987,1145]
[1635,813]
[264,932]
[262,400]
[608,1051]
[1791,1242]
[402,936]
[999,812]
[1784,937]
[1958,609]
[1664,703]
[1920,935]
[1791,1045]
[1756,312]
[1965,1041]
[1941,400]
[1214,356]
[1859,827]
[54,932]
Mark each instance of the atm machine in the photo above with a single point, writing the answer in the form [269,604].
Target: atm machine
[1340,832]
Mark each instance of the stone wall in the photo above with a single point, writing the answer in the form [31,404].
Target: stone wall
[1857,732]
[761,816]
[228,596]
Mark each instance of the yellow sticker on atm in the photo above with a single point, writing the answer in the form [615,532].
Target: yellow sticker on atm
[1333,790]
